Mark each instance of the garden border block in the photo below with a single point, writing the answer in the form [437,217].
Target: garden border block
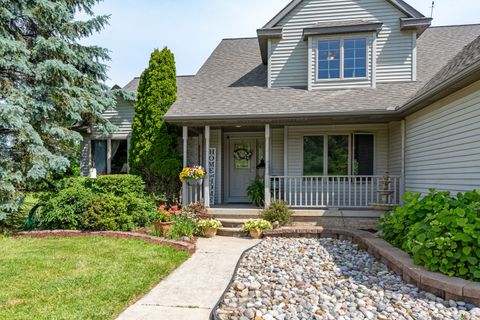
[179,245]
[397,260]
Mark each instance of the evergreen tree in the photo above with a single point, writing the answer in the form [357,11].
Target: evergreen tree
[153,153]
[49,83]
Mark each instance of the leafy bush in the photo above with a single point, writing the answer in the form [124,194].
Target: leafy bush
[278,211]
[440,231]
[183,226]
[256,192]
[209,223]
[258,224]
[395,224]
[198,210]
[116,203]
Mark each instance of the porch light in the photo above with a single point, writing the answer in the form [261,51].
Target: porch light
[261,168]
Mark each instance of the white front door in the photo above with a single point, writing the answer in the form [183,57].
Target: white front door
[243,168]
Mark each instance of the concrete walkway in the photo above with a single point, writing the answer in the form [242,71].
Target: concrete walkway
[192,290]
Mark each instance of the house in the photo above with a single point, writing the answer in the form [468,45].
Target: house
[329,97]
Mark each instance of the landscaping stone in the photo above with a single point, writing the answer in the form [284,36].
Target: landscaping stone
[326,278]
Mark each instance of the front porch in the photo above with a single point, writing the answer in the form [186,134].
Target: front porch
[329,169]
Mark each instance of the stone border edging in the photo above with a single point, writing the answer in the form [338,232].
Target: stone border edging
[179,245]
[400,262]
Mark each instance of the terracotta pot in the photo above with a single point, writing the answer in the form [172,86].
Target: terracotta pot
[256,234]
[164,227]
[210,232]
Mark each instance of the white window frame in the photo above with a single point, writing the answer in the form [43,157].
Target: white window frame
[342,57]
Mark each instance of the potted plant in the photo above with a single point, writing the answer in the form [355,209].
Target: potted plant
[256,192]
[192,175]
[209,226]
[256,227]
[165,219]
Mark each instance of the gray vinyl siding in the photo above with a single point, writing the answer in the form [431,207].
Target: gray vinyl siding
[276,155]
[289,56]
[295,144]
[85,157]
[443,146]
[121,117]
[395,148]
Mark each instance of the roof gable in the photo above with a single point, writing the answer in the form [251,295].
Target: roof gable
[401,5]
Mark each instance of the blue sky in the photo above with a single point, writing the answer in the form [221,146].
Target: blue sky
[193,28]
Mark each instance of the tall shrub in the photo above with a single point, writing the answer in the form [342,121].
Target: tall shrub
[50,82]
[153,153]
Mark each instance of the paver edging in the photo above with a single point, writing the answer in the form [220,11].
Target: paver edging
[398,261]
[179,245]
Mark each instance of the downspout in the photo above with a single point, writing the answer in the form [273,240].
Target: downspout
[403,175]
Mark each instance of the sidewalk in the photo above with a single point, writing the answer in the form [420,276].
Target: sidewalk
[192,290]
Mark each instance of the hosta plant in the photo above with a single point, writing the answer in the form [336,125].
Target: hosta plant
[258,224]
[209,223]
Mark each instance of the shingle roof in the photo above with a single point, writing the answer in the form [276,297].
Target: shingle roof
[182,83]
[464,59]
[232,83]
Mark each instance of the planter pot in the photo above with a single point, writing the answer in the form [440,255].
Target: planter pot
[210,232]
[256,234]
[164,227]
[194,182]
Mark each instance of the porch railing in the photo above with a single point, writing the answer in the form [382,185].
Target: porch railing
[194,194]
[333,191]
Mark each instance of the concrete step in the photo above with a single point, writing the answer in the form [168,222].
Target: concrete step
[232,223]
[231,232]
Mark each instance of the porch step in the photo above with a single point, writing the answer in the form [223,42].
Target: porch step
[232,223]
[231,232]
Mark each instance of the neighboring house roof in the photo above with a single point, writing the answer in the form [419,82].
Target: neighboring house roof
[233,84]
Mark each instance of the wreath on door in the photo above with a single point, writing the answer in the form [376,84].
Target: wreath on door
[242,154]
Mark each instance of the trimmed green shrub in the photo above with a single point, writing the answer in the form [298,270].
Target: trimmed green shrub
[277,211]
[441,232]
[115,203]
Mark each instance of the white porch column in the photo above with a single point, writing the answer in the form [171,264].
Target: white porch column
[206,182]
[185,154]
[267,165]
[404,145]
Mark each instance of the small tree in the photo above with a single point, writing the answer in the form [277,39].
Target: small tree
[153,152]
[49,83]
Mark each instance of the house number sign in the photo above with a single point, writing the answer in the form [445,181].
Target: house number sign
[212,160]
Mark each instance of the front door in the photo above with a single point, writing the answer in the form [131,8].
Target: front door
[243,168]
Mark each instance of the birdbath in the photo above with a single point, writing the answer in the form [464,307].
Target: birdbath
[385,193]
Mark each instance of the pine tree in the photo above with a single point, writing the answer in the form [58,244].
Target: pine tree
[49,83]
[153,153]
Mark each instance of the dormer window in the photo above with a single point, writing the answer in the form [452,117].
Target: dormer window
[344,58]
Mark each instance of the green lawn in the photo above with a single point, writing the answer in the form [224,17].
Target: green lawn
[78,278]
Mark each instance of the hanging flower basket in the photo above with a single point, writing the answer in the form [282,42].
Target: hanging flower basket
[192,175]
[194,182]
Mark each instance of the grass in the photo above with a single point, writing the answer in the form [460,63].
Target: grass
[78,278]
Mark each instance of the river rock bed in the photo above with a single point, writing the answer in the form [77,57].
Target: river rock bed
[287,279]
